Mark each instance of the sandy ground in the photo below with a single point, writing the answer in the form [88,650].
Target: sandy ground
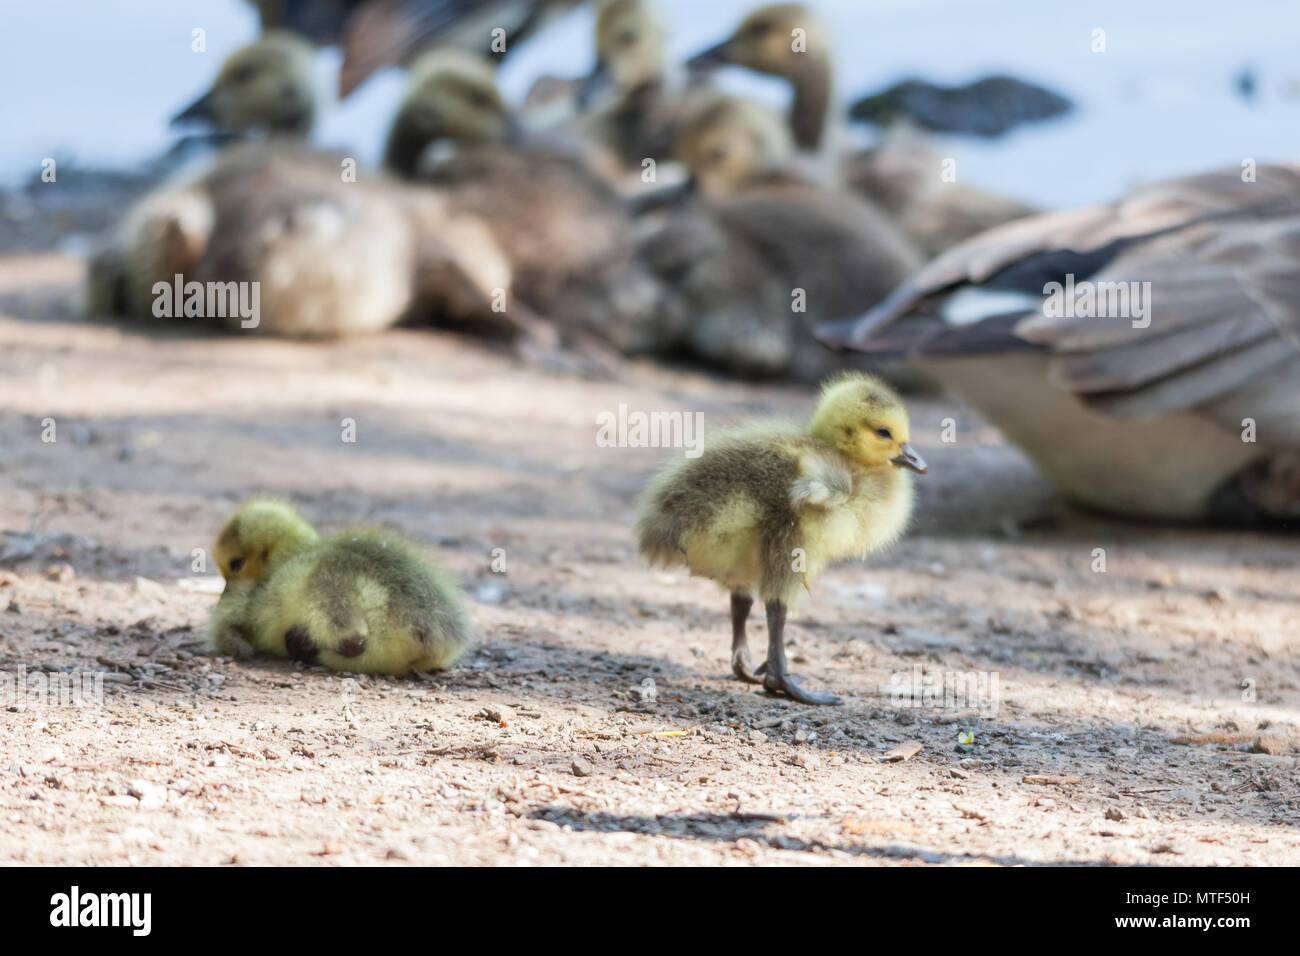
[1147,714]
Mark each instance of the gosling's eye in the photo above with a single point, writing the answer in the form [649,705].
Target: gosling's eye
[884,433]
[236,564]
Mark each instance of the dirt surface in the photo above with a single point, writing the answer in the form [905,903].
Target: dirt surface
[1122,732]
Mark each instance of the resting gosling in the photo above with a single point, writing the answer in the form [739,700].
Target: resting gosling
[767,506]
[635,100]
[759,232]
[363,601]
[932,213]
[324,258]
[563,230]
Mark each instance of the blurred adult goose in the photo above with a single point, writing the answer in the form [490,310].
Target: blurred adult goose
[765,256]
[379,33]
[567,237]
[1144,353]
[789,40]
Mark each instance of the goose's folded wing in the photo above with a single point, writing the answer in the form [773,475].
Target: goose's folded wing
[1195,300]
[1211,313]
[1273,280]
[1024,255]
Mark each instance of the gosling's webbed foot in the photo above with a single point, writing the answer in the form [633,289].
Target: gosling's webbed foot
[742,668]
[787,685]
[777,678]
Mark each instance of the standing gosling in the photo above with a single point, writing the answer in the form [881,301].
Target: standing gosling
[362,601]
[767,506]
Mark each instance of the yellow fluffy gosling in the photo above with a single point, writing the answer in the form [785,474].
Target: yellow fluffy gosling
[767,506]
[362,601]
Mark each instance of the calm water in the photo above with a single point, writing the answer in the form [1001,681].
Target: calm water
[96,81]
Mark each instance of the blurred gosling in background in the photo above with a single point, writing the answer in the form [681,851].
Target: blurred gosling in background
[332,254]
[567,235]
[764,255]
[265,87]
[905,181]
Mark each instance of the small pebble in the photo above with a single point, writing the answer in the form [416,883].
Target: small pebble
[60,572]
[150,588]
[1270,744]
[150,795]
[904,751]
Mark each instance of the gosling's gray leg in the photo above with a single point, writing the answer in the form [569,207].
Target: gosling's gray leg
[740,665]
[776,673]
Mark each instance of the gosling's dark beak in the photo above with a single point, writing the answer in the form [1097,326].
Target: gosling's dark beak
[910,459]
[593,84]
[226,589]
[710,59]
[200,111]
